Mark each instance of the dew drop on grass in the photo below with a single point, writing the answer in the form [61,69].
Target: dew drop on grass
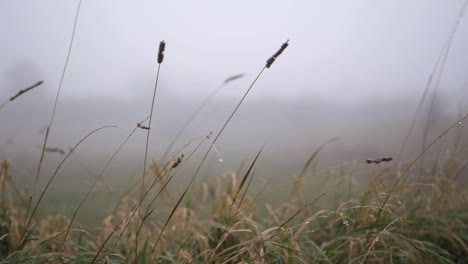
[220,159]
[345,222]
[459,122]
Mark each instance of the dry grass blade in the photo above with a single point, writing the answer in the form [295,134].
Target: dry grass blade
[197,111]
[245,192]
[306,205]
[296,180]
[444,54]
[404,175]
[26,227]
[49,127]
[241,184]
[148,212]
[206,154]
[314,155]
[95,182]
[377,239]
[133,210]
[162,48]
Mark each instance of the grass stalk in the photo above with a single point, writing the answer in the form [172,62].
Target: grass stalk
[444,55]
[404,175]
[26,227]
[162,47]
[197,111]
[268,65]
[49,127]
[99,176]
[136,207]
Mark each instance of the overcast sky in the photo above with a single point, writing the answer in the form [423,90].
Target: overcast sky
[350,64]
[345,50]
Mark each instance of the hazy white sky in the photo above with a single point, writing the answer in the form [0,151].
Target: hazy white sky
[345,50]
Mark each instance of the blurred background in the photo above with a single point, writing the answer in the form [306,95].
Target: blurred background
[355,70]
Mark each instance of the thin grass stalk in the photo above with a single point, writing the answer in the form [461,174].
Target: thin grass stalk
[376,239]
[244,179]
[23,236]
[49,128]
[267,65]
[132,213]
[148,131]
[134,209]
[445,53]
[162,46]
[197,111]
[307,205]
[245,192]
[416,114]
[299,179]
[239,209]
[204,158]
[147,212]
[281,227]
[314,155]
[151,203]
[241,184]
[95,182]
[404,175]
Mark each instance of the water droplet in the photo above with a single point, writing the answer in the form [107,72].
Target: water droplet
[220,160]
[376,239]
[345,222]
[459,122]
[173,227]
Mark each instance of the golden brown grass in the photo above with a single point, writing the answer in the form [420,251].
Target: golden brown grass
[421,221]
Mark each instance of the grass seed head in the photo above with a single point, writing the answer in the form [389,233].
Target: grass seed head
[162,48]
[377,161]
[276,55]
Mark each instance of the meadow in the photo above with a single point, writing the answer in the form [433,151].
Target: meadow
[384,209]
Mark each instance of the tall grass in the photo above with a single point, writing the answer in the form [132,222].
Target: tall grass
[49,127]
[226,220]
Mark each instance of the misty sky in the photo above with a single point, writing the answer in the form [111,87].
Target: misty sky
[349,65]
[345,50]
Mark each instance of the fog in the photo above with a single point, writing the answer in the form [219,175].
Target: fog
[355,70]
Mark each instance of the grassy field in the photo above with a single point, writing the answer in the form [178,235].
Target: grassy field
[394,211]
[228,221]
